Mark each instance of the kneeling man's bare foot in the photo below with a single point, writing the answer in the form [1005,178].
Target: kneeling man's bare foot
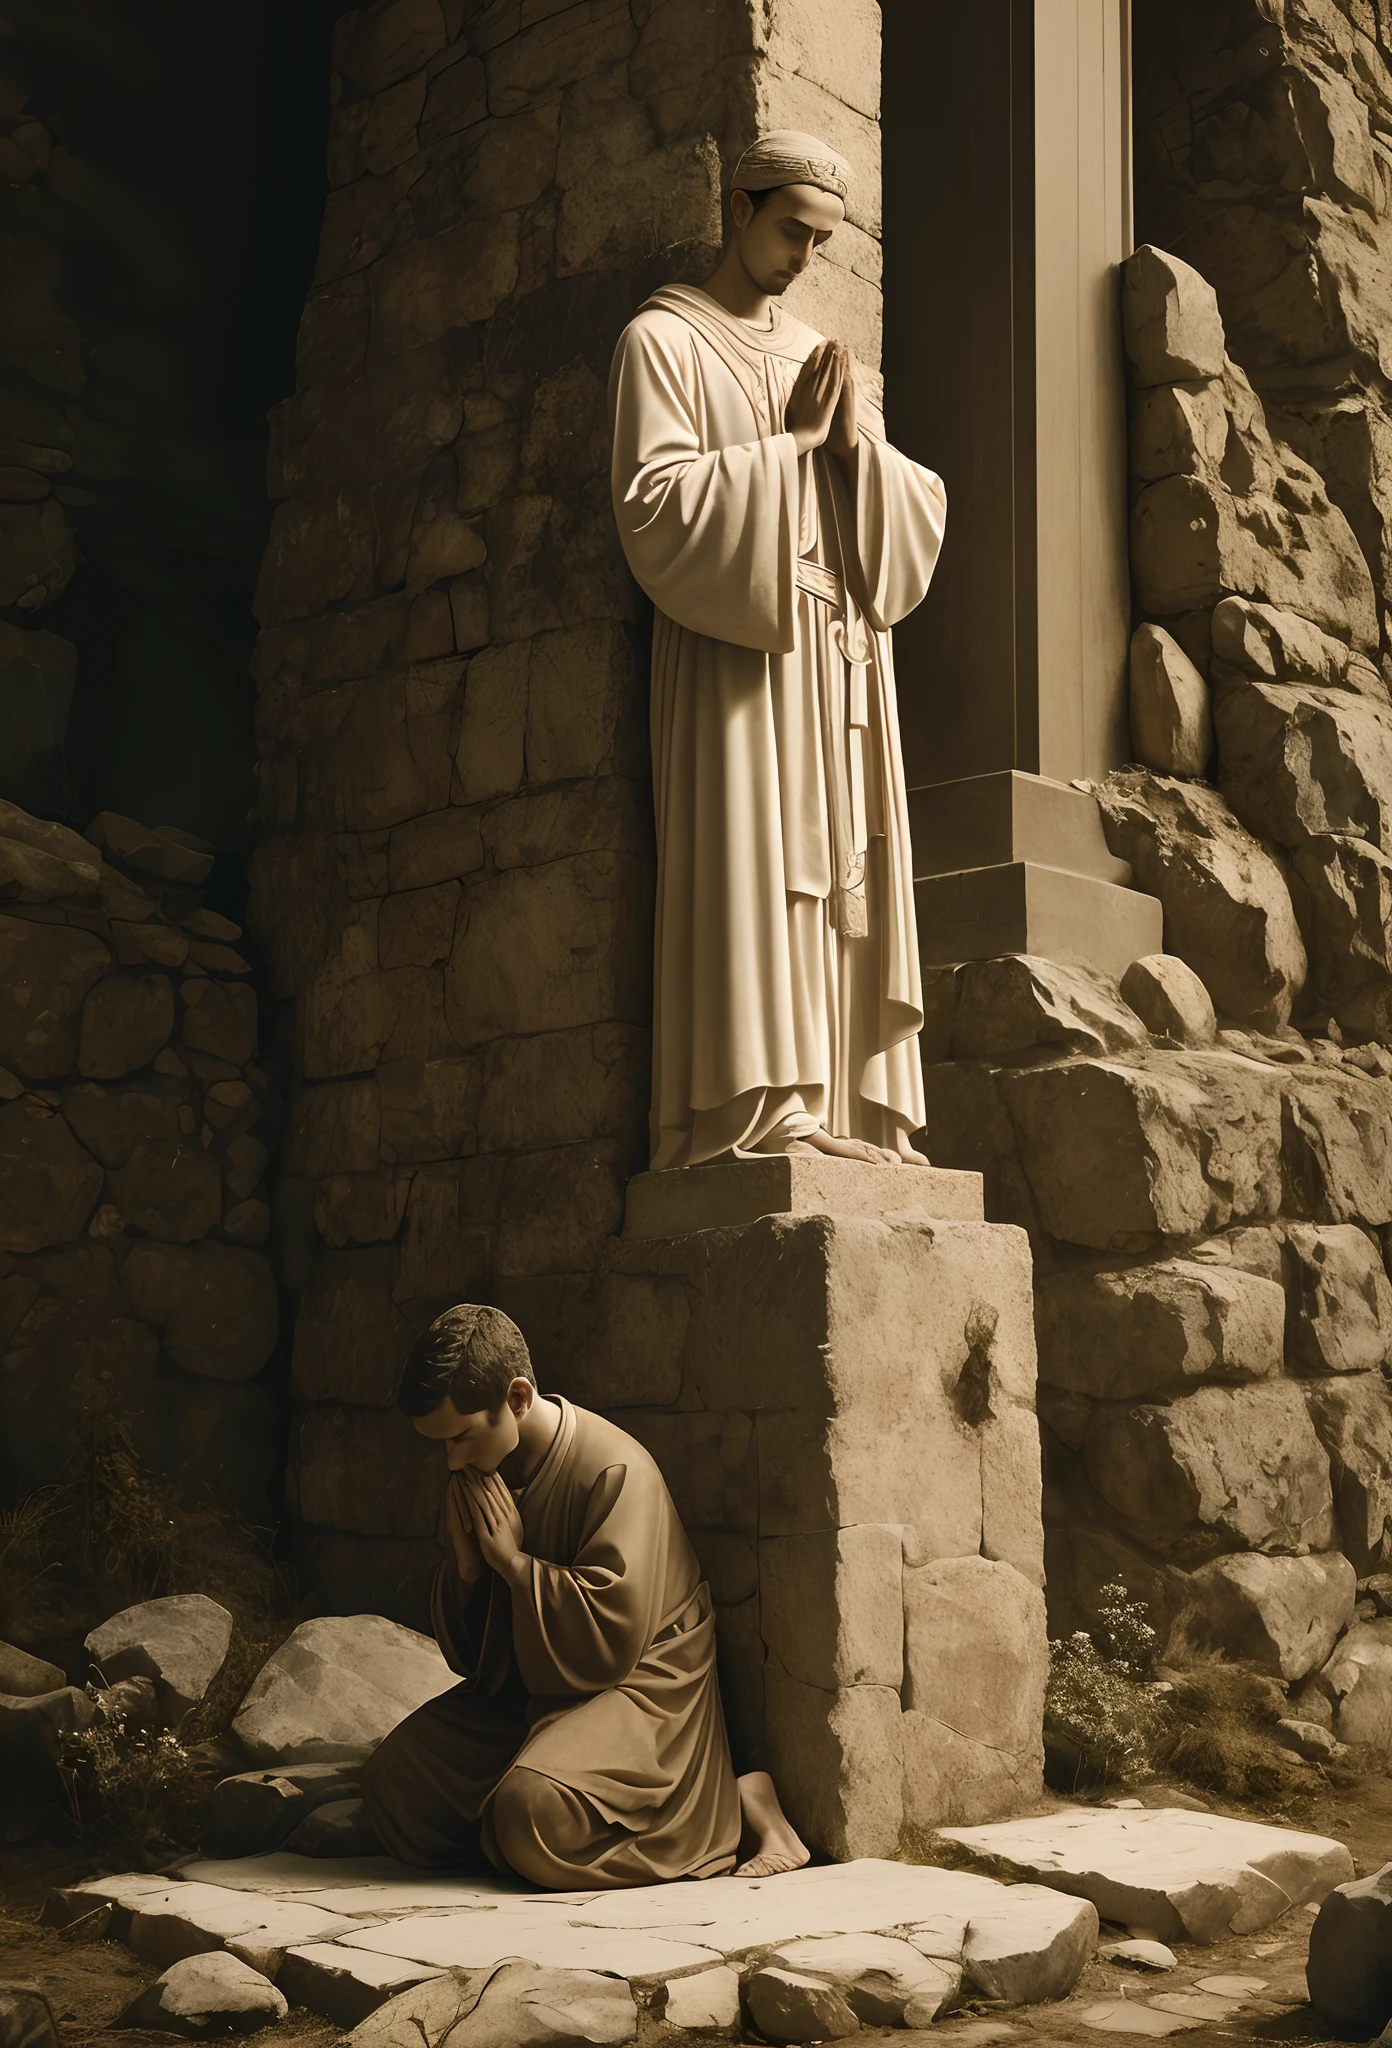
[768,1842]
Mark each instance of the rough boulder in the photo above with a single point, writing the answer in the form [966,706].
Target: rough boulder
[1228,911]
[336,1686]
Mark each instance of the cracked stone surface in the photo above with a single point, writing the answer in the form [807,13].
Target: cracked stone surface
[343,1936]
[1165,1872]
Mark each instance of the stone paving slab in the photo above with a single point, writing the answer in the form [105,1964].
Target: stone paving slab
[165,1923]
[657,1928]
[344,1984]
[1166,1872]
[363,1885]
[464,1941]
[1025,1937]
[1125,2016]
[709,1998]
[349,1935]
[313,1878]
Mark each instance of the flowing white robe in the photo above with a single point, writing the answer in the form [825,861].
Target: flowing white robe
[787,991]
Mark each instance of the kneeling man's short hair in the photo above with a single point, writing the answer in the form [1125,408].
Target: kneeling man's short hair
[470,1355]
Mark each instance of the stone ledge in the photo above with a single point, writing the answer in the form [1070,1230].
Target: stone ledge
[988,821]
[1022,906]
[728,1192]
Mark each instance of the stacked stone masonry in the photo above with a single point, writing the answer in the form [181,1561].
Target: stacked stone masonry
[1212,1309]
[1203,1157]
[882,1640]
[136,1129]
[454,868]
[454,873]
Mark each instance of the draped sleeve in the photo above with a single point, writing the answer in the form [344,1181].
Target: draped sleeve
[473,1628]
[711,535]
[900,513]
[582,1627]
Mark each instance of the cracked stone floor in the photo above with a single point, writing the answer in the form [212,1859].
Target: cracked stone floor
[1249,1988]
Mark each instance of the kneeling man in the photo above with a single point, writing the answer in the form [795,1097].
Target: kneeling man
[585,1745]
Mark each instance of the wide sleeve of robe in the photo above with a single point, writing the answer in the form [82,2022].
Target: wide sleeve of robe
[710,535]
[473,1626]
[582,1627]
[900,513]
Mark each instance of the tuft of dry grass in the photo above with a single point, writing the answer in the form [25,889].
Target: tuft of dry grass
[1217,1737]
[111,1535]
[29,1533]
[1113,1716]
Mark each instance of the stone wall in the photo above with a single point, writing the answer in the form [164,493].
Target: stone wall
[1264,159]
[453,880]
[1203,1156]
[135,1133]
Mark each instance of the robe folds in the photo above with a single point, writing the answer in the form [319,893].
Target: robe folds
[586,1744]
[787,989]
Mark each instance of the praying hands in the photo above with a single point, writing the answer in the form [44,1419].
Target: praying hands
[497,1526]
[821,406]
[459,1529]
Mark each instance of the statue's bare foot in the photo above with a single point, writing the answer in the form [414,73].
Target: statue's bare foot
[846,1148]
[908,1155]
[768,1841]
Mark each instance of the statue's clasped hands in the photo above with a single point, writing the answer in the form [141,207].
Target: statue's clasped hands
[821,408]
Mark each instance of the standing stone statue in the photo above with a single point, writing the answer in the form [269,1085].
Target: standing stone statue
[779,537]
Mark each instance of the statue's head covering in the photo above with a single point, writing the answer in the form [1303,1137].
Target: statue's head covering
[785,156]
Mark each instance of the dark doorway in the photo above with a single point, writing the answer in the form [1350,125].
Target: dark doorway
[959,347]
[159,244]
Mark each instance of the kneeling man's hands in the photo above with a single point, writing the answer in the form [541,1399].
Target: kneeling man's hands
[497,1524]
[459,1528]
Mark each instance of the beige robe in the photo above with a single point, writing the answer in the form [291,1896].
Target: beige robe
[586,1745]
[787,990]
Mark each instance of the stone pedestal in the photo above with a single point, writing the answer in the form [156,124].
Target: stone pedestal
[731,1191]
[845,1415]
